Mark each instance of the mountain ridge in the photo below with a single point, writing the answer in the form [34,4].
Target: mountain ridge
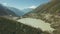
[5,11]
[49,12]
[17,11]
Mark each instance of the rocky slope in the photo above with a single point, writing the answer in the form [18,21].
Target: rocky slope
[49,12]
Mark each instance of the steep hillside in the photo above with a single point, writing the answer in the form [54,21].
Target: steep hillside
[5,11]
[49,12]
[13,27]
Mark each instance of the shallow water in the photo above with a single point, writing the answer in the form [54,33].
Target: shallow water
[37,23]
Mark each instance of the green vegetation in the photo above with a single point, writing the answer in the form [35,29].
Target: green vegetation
[8,26]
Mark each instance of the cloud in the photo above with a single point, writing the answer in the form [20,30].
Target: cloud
[33,7]
[5,4]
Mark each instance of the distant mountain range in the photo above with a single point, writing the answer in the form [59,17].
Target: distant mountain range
[11,11]
[27,10]
[4,11]
[16,11]
[20,12]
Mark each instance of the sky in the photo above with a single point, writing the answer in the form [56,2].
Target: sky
[22,4]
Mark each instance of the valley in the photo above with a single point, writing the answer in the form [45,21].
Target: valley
[44,19]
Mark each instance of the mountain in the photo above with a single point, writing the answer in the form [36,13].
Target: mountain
[8,26]
[20,12]
[27,10]
[16,11]
[48,12]
[5,11]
